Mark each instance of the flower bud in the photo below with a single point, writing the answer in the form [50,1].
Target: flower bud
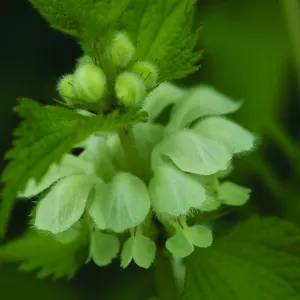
[83,60]
[147,71]
[121,50]
[130,88]
[89,83]
[65,88]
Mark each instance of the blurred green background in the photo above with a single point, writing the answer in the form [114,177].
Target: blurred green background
[251,52]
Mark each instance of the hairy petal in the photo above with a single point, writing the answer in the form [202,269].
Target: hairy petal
[121,204]
[175,193]
[231,193]
[104,247]
[192,153]
[200,102]
[161,97]
[64,204]
[231,135]
[68,166]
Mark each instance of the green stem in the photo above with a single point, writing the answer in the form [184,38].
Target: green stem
[269,177]
[133,160]
[283,140]
[291,10]
[166,286]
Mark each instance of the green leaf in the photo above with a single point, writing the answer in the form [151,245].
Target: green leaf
[54,11]
[45,135]
[46,255]
[95,18]
[259,259]
[161,32]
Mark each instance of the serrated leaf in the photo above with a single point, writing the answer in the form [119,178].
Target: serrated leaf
[161,33]
[95,18]
[259,259]
[42,253]
[54,11]
[45,135]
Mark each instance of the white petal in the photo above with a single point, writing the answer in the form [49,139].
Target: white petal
[144,250]
[179,245]
[139,248]
[146,136]
[201,101]
[116,150]
[211,184]
[64,204]
[199,235]
[69,235]
[232,136]
[175,193]
[126,254]
[192,153]
[161,97]
[97,158]
[233,194]
[68,166]
[104,248]
[121,204]
[210,204]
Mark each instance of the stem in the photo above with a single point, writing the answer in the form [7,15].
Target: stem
[283,140]
[269,177]
[166,286]
[291,10]
[133,160]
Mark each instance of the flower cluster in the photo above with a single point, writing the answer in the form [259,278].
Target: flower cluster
[89,85]
[124,183]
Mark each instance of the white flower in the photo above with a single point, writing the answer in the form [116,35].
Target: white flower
[197,141]
[176,171]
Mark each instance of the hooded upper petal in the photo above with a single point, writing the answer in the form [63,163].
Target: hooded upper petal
[161,97]
[235,138]
[200,102]
[192,153]
[69,165]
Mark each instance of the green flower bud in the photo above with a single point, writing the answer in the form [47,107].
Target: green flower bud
[147,71]
[121,50]
[83,60]
[65,88]
[89,83]
[130,88]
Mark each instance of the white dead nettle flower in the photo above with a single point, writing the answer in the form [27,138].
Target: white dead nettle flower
[184,162]
[196,141]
